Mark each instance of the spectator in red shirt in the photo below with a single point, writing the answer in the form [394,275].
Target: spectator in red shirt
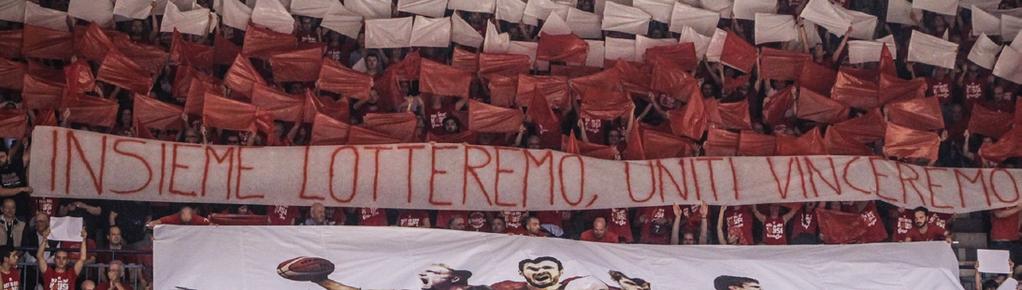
[923,230]
[61,276]
[688,237]
[115,277]
[774,224]
[654,222]
[282,215]
[498,225]
[10,277]
[413,218]
[513,222]
[533,228]
[599,233]
[372,217]
[186,216]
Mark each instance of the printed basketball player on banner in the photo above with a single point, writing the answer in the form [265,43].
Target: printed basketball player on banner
[541,273]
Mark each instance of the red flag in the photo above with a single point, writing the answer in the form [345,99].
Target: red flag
[904,142]
[893,89]
[754,144]
[190,53]
[1010,145]
[573,71]
[864,129]
[93,111]
[10,43]
[738,53]
[183,76]
[856,88]
[778,108]
[918,114]
[224,51]
[279,105]
[502,90]
[887,62]
[817,77]
[40,93]
[11,74]
[197,89]
[810,143]
[91,42]
[13,123]
[838,144]
[634,77]
[328,131]
[298,65]
[47,117]
[634,149]
[442,80]
[682,55]
[660,145]
[334,77]
[692,121]
[539,113]
[720,143]
[118,70]
[224,113]
[989,123]
[567,48]
[818,108]
[485,118]
[838,227]
[400,126]
[503,64]
[78,77]
[320,105]
[242,76]
[588,149]
[465,136]
[262,42]
[782,65]
[39,42]
[388,85]
[151,113]
[601,95]
[465,60]
[148,57]
[264,124]
[362,136]
[553,88]
[672,80]
[734,115]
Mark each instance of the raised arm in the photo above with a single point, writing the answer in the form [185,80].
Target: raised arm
[791,213]
[841,47]
[40,254]
[83,251]
[759,215]
[676,227]
[704,210]
[720,226]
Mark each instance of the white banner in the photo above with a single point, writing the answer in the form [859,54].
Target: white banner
[79,164]
[344,257]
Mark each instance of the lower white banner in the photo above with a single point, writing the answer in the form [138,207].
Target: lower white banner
[339,257]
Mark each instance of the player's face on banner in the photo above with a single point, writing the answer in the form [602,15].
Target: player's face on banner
[435,277]
[542,274]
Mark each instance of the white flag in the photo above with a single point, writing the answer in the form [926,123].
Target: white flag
[12,10]
[431,32]
[723,7]
[431,8]
[481,6]
[812,35]
[1010,26]
[931,50]
[594,56]
[463,33]
[703,21]
[900,11]
[311,8]
[99,11]
[509,10]
[536,10]
[716,46]
[985,23]
[619,48]
[627,19]
[343,21]
[194,22]
[660,10]
[643,43]
[1017,12]
[36,15]
[388,33]
[133,9]
[1008,63]
[946,7]
[495,42]
[236,14]
[987,5]
[554,25]
[747,9]
[182,5]
[524,48]
[274,16]
[701,42]
[863,25]
[863,51]
[984,52]
[824,14]
[369,9]
[1017,42]
[584,24]
[774,28]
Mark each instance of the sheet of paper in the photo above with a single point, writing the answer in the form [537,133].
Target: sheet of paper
[68,229]
[993,261]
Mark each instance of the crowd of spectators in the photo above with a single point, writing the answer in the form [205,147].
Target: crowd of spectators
[119,232]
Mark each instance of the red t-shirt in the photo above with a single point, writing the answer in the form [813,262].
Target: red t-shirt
[594,129]
[737,219]
[47,205]
[10,280]
[903,225]
[551,218]
[60,281]
[618,222]
[175,219]
[608,237]
[478,222]
[106,286]
[876,232]
[371,217]
[932,233]
[513,221]
[412,218]
[435,116]
[805,223]
[74,254]
[444,217]
[940,220]
[282,215]
[974,89]
[773,231]
[653,232]
[940,88]
[1004,229]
